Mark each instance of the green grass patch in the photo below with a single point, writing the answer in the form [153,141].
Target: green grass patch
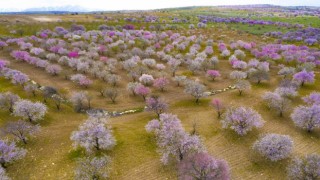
[262,85]
[306,20]
[257,29]
[191,103]
[187,73]
[76,153]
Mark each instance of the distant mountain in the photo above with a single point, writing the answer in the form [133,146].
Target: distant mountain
[57,9]
[72,8]
[9,10]
[253,6]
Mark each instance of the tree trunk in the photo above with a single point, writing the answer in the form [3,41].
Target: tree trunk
[180,155]
[89,104]
[309,128]
[194,130]
[95,177]
[58,106]
[97,144]
[3,163]
[24,140]
[101,93]
[30,119]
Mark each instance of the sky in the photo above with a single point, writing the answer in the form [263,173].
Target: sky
[144,4]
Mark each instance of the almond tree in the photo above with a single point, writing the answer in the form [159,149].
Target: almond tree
[142,91]
[203,166]
[274,147]
[58,100]
[173,142]
[286,71]
[161,83]
[7,100]
[304,77]
[9,152]
[287,92]
[305,168]
[242,85]
[81,80]
[307,117]
[150,63]
[180,80]
[242,120]
[276,102]
[213,74]
[217,104]
[31,89]
[112,94]
[156,105]
[174,65]
[146,79]
[48,92]
[53,69]
[81,101]
[312,98]
[20,79]
[113,79]
[94,135]
[92,168]
[258,75]
[3,174]
[21,130]
[237,75]
[28,110]
[131,86]
[195,89]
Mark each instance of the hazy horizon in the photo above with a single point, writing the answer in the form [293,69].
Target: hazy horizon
[142,4]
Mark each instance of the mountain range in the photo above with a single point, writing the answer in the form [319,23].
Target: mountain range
[68,8]
[60,8]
